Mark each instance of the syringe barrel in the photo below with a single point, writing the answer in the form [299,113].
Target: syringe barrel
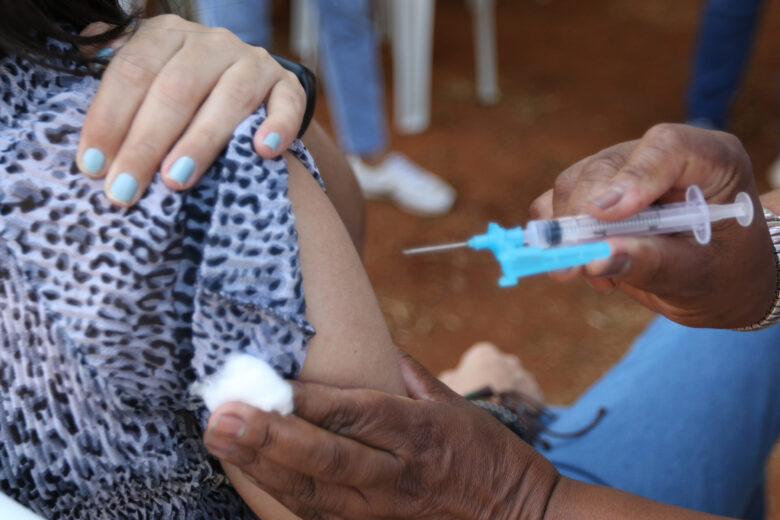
[564,231]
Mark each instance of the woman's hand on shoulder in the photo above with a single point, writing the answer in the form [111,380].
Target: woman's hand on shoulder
[171,98]
[727,283]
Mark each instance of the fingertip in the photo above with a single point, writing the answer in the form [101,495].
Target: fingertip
[122,190]
[601,285]
[617,263]
[92,162]
[566,275]
[269,144]
[182,173]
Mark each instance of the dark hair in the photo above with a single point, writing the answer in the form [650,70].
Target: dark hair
[25,26]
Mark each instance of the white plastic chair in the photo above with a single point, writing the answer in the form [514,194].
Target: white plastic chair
[485,50]
[304,31]
[412,42]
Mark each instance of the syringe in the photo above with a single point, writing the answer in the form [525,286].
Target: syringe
[694,214]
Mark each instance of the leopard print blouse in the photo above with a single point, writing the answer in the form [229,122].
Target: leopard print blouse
[107,315]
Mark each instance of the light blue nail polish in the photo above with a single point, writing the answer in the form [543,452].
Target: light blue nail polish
[123,188]
[182,169]
[93,161]
[272,141]
[106,53]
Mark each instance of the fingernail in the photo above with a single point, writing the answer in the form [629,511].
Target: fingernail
[93,161]
[272,141]
[182,169]
[608,198]
[617,264]
[229,427]
[123,188]
[106,53]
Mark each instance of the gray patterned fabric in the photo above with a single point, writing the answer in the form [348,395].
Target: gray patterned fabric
[107,316]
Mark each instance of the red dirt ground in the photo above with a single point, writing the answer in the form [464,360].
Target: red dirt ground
[576,77]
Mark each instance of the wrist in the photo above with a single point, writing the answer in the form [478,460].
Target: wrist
[768,314]
[529,496]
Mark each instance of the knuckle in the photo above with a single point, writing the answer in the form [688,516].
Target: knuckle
[206,137]
[334,461]
[146,148]
[600,167]
[664,135]
[268,439]
[255,469]
[305,488]
[344,419]
[290,78]
[542,206]
[242,93]
[294,92]
[411,483]
[567,179]
[732,142]
[426,435]
[288,108]
[221,38]
[169,21]
[261,55]
[178,91]
[134,70]
[313,515]
[635,172]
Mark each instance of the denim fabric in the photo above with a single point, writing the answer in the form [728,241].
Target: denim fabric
[250,20]
[725,38]
[349,60]
[692,415]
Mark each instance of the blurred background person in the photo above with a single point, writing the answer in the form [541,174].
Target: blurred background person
[726,36]
[352,76]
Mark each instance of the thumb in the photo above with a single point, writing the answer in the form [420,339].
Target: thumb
[421,384]
[656,165]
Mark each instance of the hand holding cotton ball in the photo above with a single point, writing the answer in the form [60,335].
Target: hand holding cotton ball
[247,379]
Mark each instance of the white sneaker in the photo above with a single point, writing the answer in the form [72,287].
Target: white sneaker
[773,174]
[404,182]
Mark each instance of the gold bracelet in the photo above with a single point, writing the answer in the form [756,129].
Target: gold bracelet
[773,222]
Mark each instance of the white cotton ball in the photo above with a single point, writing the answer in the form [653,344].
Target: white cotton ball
[247,379]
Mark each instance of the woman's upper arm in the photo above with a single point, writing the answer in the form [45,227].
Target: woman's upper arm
[352,346]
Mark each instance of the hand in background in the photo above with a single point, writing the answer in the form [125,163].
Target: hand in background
[363,454]
[729,282]
[173,94]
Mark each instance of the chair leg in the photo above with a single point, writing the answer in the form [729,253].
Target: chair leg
[304,31]
[485,50]
[412,49]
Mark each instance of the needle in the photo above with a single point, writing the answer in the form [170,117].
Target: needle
[434,249]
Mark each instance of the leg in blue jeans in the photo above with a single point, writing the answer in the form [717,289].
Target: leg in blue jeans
[692,415]
[349,55]
[353,79]
[725,39]
[250,20]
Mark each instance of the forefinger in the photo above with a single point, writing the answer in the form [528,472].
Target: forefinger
[298,445]
[577,185]
[121,91]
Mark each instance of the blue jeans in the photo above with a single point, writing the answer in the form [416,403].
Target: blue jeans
[692,415]
[349,57]
[725,38]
